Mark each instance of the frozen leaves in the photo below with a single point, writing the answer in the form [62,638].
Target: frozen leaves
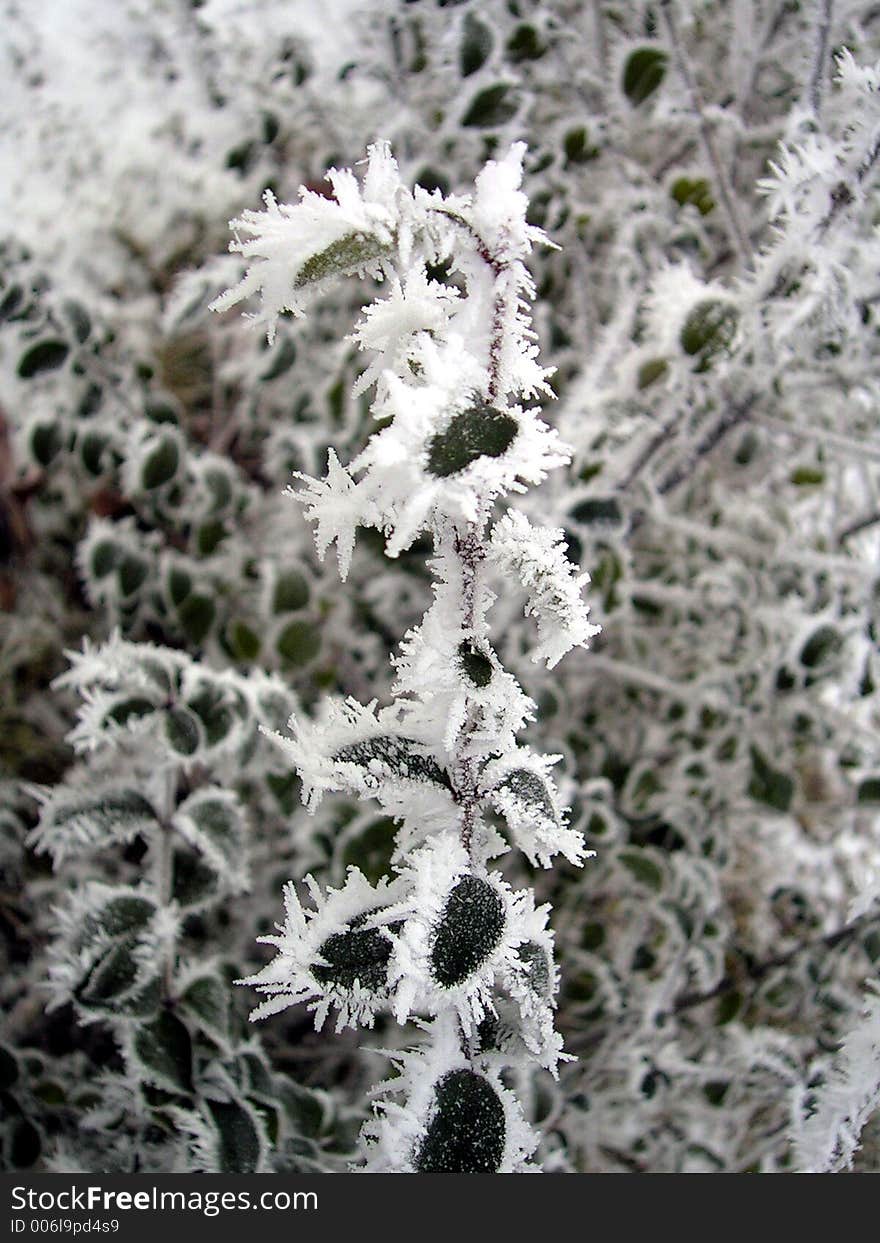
[468,931]
[446,1114]
[536,555]
[329,955]
[292,247]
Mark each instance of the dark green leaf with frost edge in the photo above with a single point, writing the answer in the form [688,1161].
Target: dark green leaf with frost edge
[531,790]
[298,643]
[160,464]
[468,1130]
[598,511]
[360,954]
[397,756]
[291,592]
[238,1149]
[341,257]
[769,785]
[492,107]
[220,823]
[165,1049]
[642,868]
[468,931]
[476,45]
[480,431]
[182,731]
[708,330]
[207,1000]
[44,356]
[643,72]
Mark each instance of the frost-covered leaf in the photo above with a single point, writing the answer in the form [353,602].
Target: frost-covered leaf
[163,1052]
[478,432]
[536,556]
[330,954]
[213,821]
[75,819]
[466,1133]
[468,930]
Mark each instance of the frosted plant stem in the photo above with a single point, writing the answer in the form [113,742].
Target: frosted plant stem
[725,191]
[817,77]
[470,550]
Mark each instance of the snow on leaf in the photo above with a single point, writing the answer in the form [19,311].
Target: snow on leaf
[290,247]
[536,556]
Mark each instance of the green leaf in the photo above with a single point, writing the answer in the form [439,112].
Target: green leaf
[207,1000]
[210,705]
[193,884]
[398,756]
[110,978]
[468,930]
[160,464]
[10,302]
[823,645]
[130,708]
[577,148]
[131,574]
[291,592]
[239,1144]
[694,191]
[478,432]
[91,450]
[44,356]
[298,643]
[651,371]
[769,785]
[165,1049]
[468,1127]
[531,790]
[807,476]
[709,330]
[525,44]
[642,868]
[125,915]
[476,45]
[182,731]
[342,257]
[209,536]
[46,441]
[869,790]
[643,72]
[598,511]
[219,826]
[79,320]
[219,485]
[180,584]
[358,954]
[243,641]
[197,617]
[104,558]
[492,107]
